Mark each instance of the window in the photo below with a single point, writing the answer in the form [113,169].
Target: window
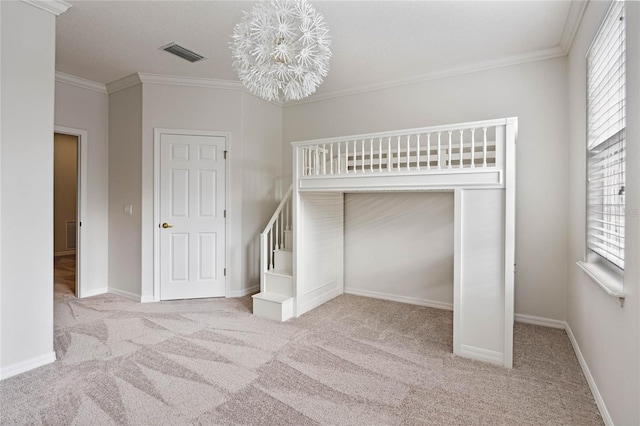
[606,140]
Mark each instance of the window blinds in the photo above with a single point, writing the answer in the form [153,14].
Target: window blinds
[606,138]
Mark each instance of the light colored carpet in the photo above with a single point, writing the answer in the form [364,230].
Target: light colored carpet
[353,361]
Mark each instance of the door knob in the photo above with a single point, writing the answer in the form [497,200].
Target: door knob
[166,225]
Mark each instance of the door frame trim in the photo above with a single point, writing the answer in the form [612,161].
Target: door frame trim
[81,206]
[157,133]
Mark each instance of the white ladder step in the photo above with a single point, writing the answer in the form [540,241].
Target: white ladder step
[278,282]
[283,260]
[288,240]
[272,306]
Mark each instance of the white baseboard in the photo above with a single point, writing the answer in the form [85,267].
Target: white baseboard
[24,366]
[606,417]
[64,253]
[545,322]
[146,299]
[310,304]
[244,291]
[94,292]
[126,294]
[482,354]
[495,357]
[397,298]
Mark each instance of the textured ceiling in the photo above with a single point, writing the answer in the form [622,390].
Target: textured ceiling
[373,42]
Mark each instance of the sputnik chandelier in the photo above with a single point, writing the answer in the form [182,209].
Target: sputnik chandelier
[281,49]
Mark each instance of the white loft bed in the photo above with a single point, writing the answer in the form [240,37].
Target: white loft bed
[302,246]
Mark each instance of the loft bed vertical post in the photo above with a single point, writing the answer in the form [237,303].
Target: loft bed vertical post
[509,237]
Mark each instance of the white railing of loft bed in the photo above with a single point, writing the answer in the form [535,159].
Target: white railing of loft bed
[465,154]
[273,237]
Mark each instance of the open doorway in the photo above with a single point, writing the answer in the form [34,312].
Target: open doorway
[65,213]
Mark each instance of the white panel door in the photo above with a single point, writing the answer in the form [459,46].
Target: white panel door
[192,216]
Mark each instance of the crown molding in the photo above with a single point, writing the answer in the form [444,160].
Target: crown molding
[124,83]
[538,55]
[209,83]
[172,80]
[574,17]
[81,82]
[56,7]
[576,12]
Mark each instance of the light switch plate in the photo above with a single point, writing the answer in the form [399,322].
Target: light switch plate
[127,209]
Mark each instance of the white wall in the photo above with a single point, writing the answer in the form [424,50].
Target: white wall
[536,93]
[125,188]
[191,108]
[608,335]
[390,251]
[88,110]
[261,182]
[26,165]
[255,156]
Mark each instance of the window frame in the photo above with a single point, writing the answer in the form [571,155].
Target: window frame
[605,272]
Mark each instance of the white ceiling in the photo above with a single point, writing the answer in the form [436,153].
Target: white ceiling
[373,42]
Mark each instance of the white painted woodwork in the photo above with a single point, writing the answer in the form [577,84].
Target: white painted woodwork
[288,238]
[272,306]
[479,291]
[482,175]
[418,181]
[85,278]
[192,203]
[318,249]
[278,282]
[283,259]
[484,224]
[274,237]
[459,151]
[276,257]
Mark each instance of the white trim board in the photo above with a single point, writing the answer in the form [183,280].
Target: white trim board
[55,7]
[398,298]
[125,294]
[572,23]
[96,292]
[544,322]
[606,417]
[82,272]
[81,82]
[244,291]
[576,12]
[157,133]
[522,318]
[123,83]
[540,55]
[172,80]
[24,366]
[569,31]
[190,81]
[481,354]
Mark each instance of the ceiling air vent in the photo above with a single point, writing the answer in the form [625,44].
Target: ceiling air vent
[184,53]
